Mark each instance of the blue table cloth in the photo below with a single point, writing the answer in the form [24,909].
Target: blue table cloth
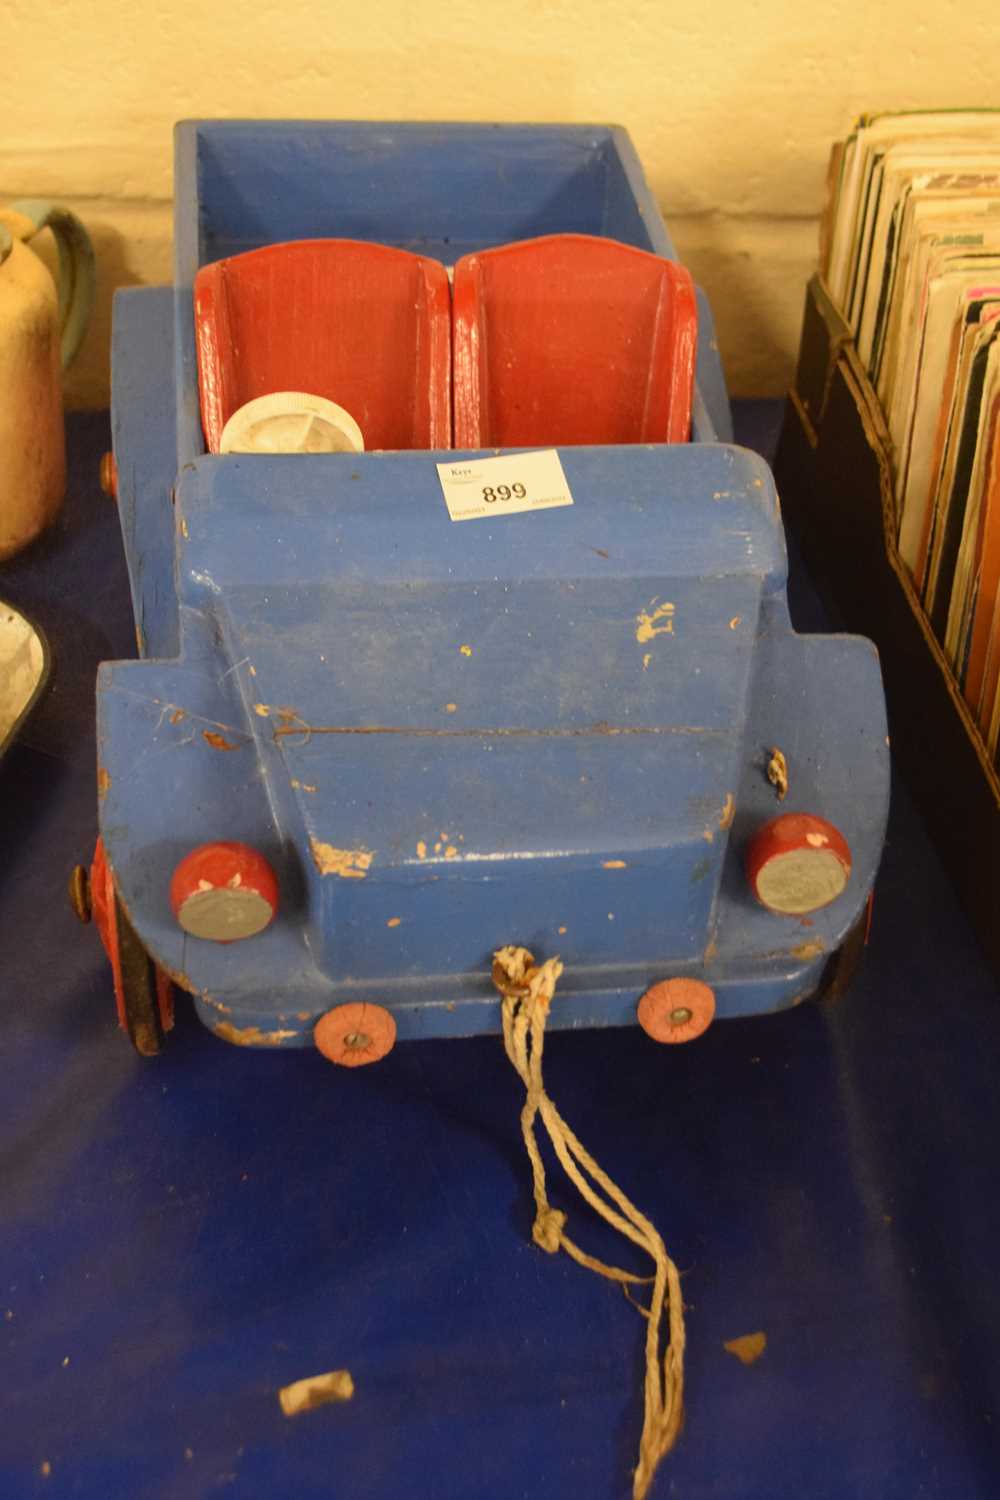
[181,1237]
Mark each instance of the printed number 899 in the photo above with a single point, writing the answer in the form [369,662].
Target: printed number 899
[493,493]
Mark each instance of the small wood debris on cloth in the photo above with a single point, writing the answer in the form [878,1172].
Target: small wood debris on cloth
[748,1348]
[316,1390]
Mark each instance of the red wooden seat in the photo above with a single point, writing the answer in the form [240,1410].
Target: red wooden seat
[572,339]
[364,325]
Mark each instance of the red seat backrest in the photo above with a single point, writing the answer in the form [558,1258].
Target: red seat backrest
[572,339]
[364,325]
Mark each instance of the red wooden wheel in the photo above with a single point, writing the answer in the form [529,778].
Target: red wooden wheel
[677,1010]
[144,993]
[355,1034]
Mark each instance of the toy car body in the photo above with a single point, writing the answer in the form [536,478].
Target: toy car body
[550,728]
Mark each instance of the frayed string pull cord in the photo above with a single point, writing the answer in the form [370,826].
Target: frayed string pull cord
[527,992]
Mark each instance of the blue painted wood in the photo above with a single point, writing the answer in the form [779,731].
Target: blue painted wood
[493,714]
[711,416]
[143,430]
[690,511]
[444,190]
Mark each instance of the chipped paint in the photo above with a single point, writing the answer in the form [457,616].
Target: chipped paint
[809,950]
[562,931]
[421,850]
[263,709]
[496,731]
[465,650]
[613,864]
[655,619]
[217,741]
[647,658]
[251,1036]
[451,852]
[103,782]
[349,864]
[178,977]
[728,812]
[708,834]
[777,773]
[184,529]
[735,621]
[253,670]
[450,708]
[292,723]
[177,716]
[303,786]
[393,921]
[711,951]
[215,1004]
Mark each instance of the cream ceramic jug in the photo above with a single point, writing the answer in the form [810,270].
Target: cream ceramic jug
[41,329]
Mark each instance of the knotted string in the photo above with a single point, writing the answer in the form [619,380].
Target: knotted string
[527,993]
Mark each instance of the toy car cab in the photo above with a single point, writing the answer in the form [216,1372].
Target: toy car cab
[368,743]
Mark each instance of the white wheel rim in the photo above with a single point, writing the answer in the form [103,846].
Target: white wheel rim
[291,422]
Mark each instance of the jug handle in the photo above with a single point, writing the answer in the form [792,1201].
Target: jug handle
[76,278]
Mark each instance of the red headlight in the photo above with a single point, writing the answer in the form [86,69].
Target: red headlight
[224,892]
[797,863]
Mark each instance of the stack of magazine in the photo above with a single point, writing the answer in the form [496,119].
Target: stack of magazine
[911,255]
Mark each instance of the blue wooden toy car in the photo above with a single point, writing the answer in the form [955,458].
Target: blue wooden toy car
[407,740]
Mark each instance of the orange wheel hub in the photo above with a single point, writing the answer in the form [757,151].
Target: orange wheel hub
[677,1010]
[355,1034]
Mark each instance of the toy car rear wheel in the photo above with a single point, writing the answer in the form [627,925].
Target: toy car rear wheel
[143,986]
[143,991]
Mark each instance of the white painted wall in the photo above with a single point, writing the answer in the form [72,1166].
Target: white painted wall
[732,106]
